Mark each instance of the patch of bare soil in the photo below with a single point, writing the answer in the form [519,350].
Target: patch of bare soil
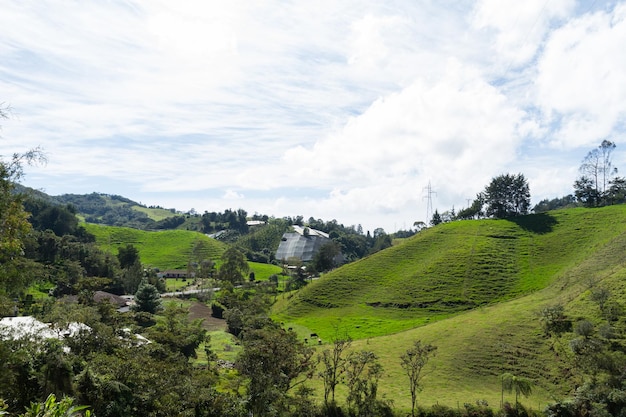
[202,311]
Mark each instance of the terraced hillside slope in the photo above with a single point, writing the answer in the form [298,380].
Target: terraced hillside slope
[474,289]
[452,268]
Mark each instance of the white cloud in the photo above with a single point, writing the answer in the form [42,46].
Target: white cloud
[330,109]
[232,195]
[518,28]
[457,132]
[580,83]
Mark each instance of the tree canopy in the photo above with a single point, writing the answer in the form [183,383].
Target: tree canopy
[507,196]
[598,184]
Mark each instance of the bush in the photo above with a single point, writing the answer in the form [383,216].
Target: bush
[518,410]
[234,321]
[438,410]
[480,409]
[217,310]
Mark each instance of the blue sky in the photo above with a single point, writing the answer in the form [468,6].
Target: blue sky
[332,109]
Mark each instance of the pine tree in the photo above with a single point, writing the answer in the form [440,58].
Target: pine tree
[147,298]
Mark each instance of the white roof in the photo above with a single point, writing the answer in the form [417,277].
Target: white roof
[312,232]
[27,326]
[19,327]
[255,222]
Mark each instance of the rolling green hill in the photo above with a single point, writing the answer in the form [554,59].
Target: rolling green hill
[474,289]
[154,213]
[169,249]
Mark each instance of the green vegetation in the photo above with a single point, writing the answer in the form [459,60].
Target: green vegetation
[262,272]
[448,269]
[154,213]
[501,273]
[522,314]
[169,249]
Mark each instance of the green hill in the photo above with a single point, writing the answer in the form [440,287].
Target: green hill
[474,289]
[169,249]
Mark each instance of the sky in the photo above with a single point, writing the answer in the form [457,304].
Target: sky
[343,110]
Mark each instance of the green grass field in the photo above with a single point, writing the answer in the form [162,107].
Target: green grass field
[262,272]
[474,289]
[169,249]
[155,214]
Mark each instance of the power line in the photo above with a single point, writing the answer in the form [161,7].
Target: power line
[429,205]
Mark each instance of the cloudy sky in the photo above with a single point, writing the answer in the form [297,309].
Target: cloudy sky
[340,110]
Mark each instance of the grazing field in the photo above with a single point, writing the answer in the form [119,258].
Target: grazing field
[155,214]
[449,269]
[262,272]
[475,290]
[169,249]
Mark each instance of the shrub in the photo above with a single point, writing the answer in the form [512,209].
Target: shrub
[438,410]
[217,310]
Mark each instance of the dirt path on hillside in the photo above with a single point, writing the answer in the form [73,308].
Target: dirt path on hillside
[202,311]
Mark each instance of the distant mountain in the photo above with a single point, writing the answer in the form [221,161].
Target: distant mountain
[113,210]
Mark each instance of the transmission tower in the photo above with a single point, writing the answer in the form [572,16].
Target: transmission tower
[429,205]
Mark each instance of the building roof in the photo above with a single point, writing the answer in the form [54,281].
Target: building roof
[255,222]
[27,326]
[100,296]
[311,232]
[303,243]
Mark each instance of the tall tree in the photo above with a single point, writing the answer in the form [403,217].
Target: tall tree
[436,218]
[507,196]
[147,298]
[363,371]
[132,277]
[333,367]
[178,332]
[234,266]
[127,255]
[413,362]
[596,172]
[521,386]
[275,361]
[325,258]
[14,225]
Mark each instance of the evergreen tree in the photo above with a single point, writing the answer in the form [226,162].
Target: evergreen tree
[147,298]
[436,218]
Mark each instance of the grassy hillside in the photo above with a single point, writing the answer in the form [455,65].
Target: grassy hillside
[170,249]
[452,268]
[155,214]
[474,289]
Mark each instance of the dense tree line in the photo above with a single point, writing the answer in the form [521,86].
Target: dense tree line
[236,220]
[509,195]
[506,196]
